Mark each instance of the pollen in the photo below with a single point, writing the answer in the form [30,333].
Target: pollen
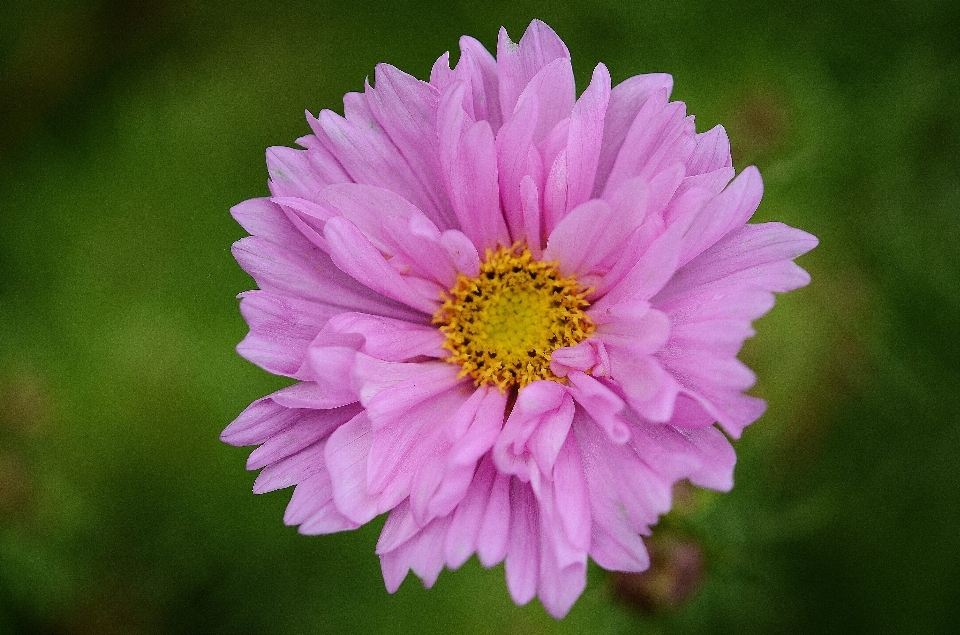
[502,326]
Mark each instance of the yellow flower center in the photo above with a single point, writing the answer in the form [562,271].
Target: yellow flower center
[503,325]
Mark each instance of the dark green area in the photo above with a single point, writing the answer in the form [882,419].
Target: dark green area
[128,129]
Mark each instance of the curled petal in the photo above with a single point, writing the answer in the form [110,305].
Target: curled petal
[388,339]
[535,430]
[356,256]
[602,404]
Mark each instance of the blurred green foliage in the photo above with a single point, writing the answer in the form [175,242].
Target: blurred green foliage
[128,129]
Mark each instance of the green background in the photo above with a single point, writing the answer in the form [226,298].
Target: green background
[128,129]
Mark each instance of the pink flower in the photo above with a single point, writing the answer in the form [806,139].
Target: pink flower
[513,315]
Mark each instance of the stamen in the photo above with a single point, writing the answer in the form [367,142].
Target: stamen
[503,325]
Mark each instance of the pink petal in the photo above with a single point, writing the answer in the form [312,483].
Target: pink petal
[302,174]
[688,413]
[307,216]
[661,407]
[369,157]
[755,254]
[394,567]
[367,207]
[530,204]
[388,339]
[535,430]
[630,201]
[589,355]
[420,554]
[626,99]
[461,540]
[717,458]
[663,200]
[291,173]
[586,135]
[586,236]
[443,477]
[703,455]
[554,143]
[330,360]
[399,528]
[722,338]
[650,390]
[260,420]
[643,495]
[407,449]
[262,218]
[562,572]
[468,158]
[355,256]
[312,507]
[462,252]
[309,274]
[711,153]
[556,94]
[279,270]
[732,410]
[518,63]
[388,389]
[312,427]
[281,329]
[572,498]
[641,206]
[559,586]
[659,137]
[291,470]
[523,550]
[555,192]
[626,498]
[396,228]
[307,394]
[440,74]
[480,69]
[632,324]
[717,383]
[720,300]
[711,182]
[493,538]
[485,420]
[346,455]
[406,109]
[603,406]
[728,211]
[651,272]
[515,152]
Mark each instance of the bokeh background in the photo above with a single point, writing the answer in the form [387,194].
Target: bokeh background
[129,128]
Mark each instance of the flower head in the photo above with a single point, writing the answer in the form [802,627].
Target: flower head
[513,315]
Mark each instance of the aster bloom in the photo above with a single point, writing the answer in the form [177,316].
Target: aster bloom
[512,315]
